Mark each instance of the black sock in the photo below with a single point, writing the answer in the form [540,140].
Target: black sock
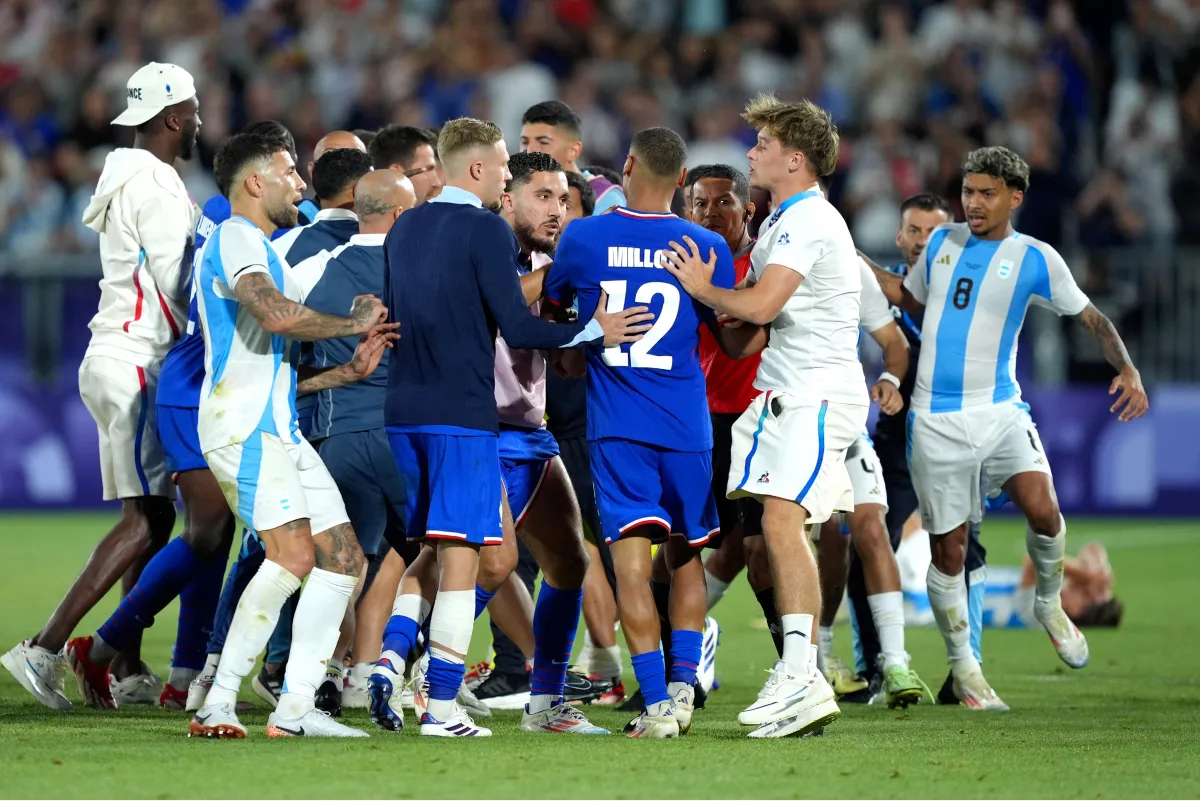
[766,599]
[662,602]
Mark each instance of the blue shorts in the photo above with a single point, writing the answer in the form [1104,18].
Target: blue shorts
[525,455]
[364,470]
[178,431]
[451,481]
[638,484]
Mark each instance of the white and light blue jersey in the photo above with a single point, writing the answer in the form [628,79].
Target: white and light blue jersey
[249,373]
[976,293]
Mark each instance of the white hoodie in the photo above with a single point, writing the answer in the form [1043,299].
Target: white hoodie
[146,221]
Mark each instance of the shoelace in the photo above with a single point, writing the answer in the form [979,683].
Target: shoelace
[772,684]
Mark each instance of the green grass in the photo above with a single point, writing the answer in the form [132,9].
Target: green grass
[1128,726]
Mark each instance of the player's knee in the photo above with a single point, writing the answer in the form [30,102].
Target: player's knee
[1045,517]
[870,536]
[496,563]
[949,552]
[295,558]
[159,514]
[209,533]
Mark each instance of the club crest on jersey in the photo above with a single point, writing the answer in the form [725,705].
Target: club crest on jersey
[1005,268]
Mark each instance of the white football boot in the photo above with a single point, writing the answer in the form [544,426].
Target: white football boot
[657,722]
[217,722]
[559,719]
[459,725]
[1068,640]
[791,704]
[39,671]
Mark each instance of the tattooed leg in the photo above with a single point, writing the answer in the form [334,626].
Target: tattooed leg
[337,551]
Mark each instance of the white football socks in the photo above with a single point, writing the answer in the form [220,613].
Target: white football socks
[797,637]
[315,632]
[716,588]
[887,609]
[450,635]
[948,597]
[255,619]
[413,607]
[1048,555]
[825,646]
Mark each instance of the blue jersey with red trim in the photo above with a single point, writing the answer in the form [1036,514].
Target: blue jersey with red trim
[653,390]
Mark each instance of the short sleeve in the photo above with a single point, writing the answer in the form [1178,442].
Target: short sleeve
[1065,296]
[309,272]
[874,311]
[243,250]
[557,289]
[917,280]
[797,245]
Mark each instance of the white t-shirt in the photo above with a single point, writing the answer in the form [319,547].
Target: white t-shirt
[813,351]
[875,312]
[521,375]
[249,373]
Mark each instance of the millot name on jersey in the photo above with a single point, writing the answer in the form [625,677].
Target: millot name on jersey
[634,257]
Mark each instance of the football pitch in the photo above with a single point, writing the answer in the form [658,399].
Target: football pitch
[1127,726]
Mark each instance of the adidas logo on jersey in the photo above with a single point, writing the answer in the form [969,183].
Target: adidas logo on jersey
[944,259]
[634,257]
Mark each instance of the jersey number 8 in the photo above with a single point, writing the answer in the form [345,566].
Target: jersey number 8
[639,354]
[962,293]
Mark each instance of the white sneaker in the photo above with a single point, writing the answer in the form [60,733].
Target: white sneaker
[42,673]
[141,688]
[684,698]
[313,723]
[1068,640]
[459,725]
[657,722]
[792,700]
[973,692]
[707,672]
[198,690]
[559,719]
[354,693]
[467,700]
[218,722]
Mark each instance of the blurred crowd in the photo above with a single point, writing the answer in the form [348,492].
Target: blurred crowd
[1102,97]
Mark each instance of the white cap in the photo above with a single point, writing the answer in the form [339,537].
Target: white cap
[153,88]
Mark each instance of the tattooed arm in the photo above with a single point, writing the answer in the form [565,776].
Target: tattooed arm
[274,312]
[1132,401]
[366,358]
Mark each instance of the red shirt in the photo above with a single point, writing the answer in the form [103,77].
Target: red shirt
[730,381]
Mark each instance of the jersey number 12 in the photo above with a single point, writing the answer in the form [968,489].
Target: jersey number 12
[639,354]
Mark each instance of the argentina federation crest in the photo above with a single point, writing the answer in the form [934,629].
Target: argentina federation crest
[1005,268]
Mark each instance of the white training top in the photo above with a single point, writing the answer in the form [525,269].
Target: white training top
[976,293]
[813,351]
[146,221]
[249,373]
[875,312]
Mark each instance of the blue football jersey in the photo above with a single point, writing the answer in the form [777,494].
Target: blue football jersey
[653,390]
[182,372]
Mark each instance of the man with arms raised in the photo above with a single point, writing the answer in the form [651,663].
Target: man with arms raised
[272,478]
[970,431]
[790,445]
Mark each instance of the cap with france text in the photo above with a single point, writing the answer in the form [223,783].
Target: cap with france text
[153,88]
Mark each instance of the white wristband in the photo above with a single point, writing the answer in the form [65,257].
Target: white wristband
[891,379]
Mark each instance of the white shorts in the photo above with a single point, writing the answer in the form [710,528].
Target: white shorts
[957,458]
[120,398]
[866,473]
[785,447]
[268,482]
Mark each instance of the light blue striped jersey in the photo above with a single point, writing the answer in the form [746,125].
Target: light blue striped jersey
[249,373]
[976,293]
